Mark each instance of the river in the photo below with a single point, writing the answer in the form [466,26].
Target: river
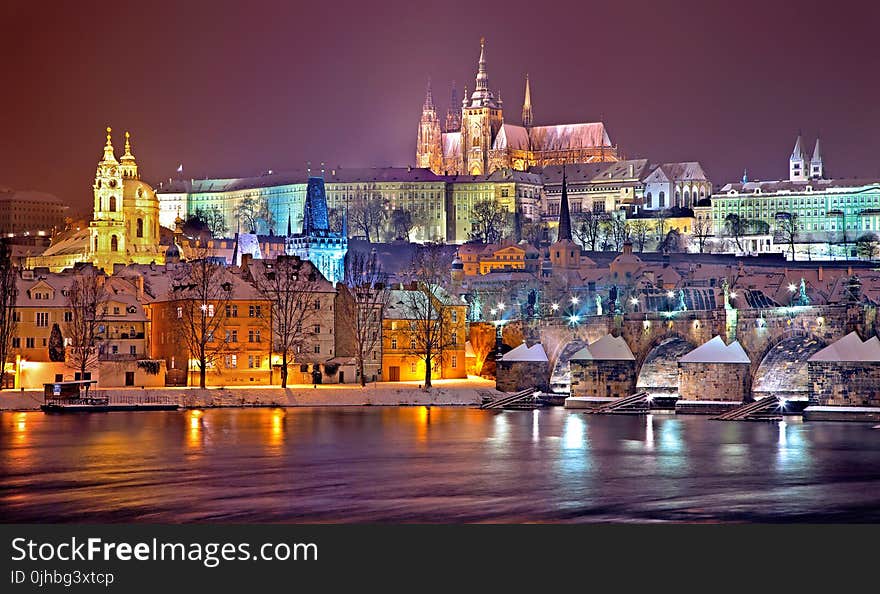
[414,464]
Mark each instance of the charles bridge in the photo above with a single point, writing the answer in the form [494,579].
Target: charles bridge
[777,340]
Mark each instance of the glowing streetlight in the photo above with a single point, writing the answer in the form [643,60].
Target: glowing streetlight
[575,300]
[670,294]
[501,306]
[733,295]
[204,307]
[555,307]
[634,301]
[493,311]
[792,287]
[574,319]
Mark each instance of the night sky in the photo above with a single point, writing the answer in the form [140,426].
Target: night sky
[236,88]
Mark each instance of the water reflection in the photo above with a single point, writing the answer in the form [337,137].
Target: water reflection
[415,464]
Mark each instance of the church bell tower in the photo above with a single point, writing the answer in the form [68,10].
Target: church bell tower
[428,149]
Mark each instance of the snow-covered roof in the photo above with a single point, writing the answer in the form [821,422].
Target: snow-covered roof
[510,136]
[850,348]
[607,348]
[564,137]
[716,351]
[526,353]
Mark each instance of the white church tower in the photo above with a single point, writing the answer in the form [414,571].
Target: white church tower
[797,163]
[817,171]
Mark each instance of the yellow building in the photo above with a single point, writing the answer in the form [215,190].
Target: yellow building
[122,334]
[479,258]
[405,335]
[125,222]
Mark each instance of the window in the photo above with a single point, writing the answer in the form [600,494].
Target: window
[253,335]
[454,361]
[412,367]
[210,310]
[115,311]
[42,319]
[661,200]
[114,243]
[317,304]
[231,361]
[454,316]
[114,349]
[179,312]
[140,228]
[231,311]
[394,343]
[317,348]
[232,336]
[112,203]
[16,342]
[412,345]
[317,329]
[454,338]
[251,362]
[132,350]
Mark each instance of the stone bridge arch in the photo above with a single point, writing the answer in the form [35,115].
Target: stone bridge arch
[780,366]
[657,365]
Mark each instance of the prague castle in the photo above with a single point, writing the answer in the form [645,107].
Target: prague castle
[477,140]
[125,222]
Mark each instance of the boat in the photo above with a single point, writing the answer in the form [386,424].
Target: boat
[80,396]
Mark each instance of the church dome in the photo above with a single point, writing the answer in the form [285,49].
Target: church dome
[135,189]
[457,264]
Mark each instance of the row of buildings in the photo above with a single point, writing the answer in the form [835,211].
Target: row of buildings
[143,335]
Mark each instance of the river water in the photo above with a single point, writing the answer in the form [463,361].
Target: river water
[415,464]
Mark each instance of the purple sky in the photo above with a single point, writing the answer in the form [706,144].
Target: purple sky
[236,88]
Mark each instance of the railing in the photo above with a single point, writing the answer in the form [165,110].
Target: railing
[136,399]
[90,401]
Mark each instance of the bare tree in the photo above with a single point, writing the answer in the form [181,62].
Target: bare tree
[8,295]
[640,229]
[489,221]
[213,219]
[248,214]
[367,216]
[702,232]
[615,232]
[736,227]
[787,230]
[87,300]
[200,291]
[363,299]
[291,286]
[662,217]
[402,223]
[429,309]
[587,229]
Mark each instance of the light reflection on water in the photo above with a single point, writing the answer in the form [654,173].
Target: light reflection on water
[420,464]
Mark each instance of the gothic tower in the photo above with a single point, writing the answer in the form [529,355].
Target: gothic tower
[527,106]
[453,114]
[481,118]
[428,146]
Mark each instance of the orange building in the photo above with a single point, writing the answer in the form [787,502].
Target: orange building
[418,317]
[241,325]
[479,258]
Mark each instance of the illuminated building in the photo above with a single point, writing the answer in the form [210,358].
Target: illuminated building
[125,223]
[483,142]
[401,359]
[317,243]
[31,213]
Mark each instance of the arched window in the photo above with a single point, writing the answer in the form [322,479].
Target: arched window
[114,243]
[662,200]
[687,196]
[677,198]
[648,200]
[140,228]
[112,203]
[96,243]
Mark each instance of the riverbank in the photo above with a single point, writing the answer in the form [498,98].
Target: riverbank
[466,392]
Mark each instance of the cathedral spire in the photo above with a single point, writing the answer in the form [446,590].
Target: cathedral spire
[109,155]
[527,106]
[482,75]
[129,165]
[429,98]
[453,114]
[564,216]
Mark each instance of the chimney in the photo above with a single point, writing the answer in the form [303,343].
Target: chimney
[628,245]
[246,261]
[140,286]
[849,270]
[632,170]
[821,274]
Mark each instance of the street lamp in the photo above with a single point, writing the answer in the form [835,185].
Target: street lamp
[575,300]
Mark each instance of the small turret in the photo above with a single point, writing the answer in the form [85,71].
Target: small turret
[527,106]
[797,163]
[817,171]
